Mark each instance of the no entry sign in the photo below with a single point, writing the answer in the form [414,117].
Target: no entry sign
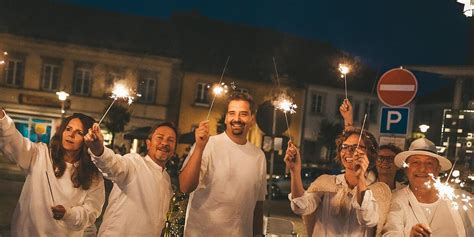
[397,87]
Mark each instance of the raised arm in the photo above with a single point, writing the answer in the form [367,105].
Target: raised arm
[347,114]
[16,148]
[113,166]
[293,162]
[189,176]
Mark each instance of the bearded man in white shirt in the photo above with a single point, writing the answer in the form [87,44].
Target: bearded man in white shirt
[142,190]
[227,177]
[416,210]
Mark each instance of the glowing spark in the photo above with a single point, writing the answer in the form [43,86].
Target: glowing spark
[456,173]
[446,192]
[219,89]
[233,86]
[405,165]
[344,68]
[284,103]
[2,62]
[121,92]
[5,53]
[471,177]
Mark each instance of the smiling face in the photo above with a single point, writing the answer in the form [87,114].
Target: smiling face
[347,150]
[73,135]
[385,163]
[161,145]
[419,168]
[238,119]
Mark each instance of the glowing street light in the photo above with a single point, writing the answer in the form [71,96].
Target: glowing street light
[424,128]
[62,96]
[2,61]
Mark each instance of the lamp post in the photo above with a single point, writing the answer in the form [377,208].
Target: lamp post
[62,96]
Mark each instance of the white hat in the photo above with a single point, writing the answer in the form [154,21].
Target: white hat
[422,146]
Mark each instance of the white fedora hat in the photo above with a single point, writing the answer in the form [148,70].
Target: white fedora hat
[422,146]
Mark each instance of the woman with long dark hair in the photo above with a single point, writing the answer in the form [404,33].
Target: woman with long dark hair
[63,192]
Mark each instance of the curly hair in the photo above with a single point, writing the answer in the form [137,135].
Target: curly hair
[85,171]
[369,141]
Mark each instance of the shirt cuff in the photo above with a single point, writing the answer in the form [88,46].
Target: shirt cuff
[299,202]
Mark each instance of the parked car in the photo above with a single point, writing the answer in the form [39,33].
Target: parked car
[281,187]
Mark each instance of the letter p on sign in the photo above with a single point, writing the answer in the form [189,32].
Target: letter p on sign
[394,120]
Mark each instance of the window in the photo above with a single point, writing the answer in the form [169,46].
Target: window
[147,88]
[242,90]
[14,71]
[82,80]
[51,74]
[371,109]
[317,103]
[202,94]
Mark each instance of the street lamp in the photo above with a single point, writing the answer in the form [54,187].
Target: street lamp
[424,128]
[62,96]
[2,61]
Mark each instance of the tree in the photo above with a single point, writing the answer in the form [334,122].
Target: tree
[327,136]
[116,120]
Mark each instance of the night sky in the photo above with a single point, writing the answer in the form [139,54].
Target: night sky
[384,34]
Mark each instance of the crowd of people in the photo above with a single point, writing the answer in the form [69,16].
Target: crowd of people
[382,191]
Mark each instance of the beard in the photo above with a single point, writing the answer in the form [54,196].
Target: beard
[237,130]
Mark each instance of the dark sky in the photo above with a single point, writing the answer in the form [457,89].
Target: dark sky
[383,33]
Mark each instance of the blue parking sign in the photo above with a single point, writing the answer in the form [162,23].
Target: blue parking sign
[394,120]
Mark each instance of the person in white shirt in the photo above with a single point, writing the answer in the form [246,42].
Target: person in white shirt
[417,210]
[227,177]
[63,192]
[349,204]
[142,189]
[387,172]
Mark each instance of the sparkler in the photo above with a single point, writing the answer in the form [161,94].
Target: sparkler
[49,185]
[344,69]
[120,92]
[284,102]
[218,89]
[360,137]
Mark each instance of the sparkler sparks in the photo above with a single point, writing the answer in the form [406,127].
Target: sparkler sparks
[447,192]
[120,91]
[405,165]
[284,103]
[219,89]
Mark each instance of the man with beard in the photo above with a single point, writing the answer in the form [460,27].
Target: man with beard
[228,176]
[142,188]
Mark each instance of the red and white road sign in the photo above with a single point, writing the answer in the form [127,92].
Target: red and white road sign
[397,87]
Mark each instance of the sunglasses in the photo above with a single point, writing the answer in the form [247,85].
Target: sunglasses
[385,158]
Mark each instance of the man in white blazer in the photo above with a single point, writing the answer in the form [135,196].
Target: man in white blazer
[417,210]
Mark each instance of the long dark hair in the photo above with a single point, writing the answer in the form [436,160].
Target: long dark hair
[85,171]
[369,141]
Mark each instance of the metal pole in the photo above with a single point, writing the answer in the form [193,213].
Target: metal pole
[272,157]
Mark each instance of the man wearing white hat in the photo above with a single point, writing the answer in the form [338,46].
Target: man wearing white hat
[417,210]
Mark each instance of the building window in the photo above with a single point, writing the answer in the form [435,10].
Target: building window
[82,80]
[147,89]
[51,72]
[317,103]
[202,94]
[371,109]
[14,71]
[242,90]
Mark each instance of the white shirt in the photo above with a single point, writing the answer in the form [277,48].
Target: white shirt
[33,216]
[406,211]
[140,197]
[352,219]
[232,180]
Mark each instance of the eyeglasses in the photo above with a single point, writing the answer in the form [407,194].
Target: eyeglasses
[388,159]
[351,148]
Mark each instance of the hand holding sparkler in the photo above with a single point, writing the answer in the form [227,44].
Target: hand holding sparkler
[420,230]
[201,134]
[120,92]
[292,158]
[94,140]
[346,112]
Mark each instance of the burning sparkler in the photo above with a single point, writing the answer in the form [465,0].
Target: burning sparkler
[447,192]
[120,92]
[344,69]
[218,89]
